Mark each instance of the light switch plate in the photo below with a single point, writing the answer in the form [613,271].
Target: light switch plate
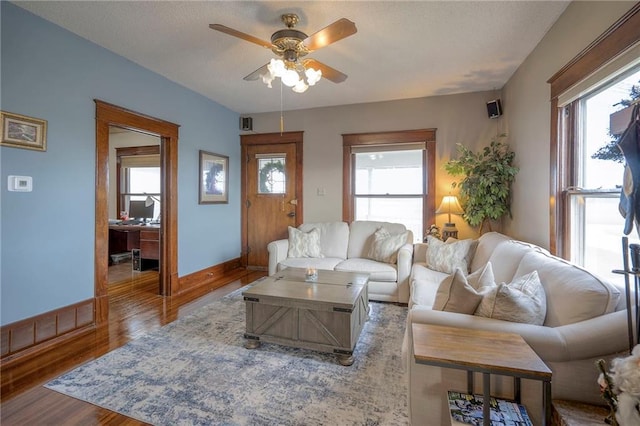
[20,183]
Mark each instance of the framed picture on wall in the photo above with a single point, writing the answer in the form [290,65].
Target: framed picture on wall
[214,178]
[20,131]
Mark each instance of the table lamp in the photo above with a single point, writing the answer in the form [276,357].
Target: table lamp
[449,205]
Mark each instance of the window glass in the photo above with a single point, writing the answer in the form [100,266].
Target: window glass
[389,187]
[389,172]
[271,175]
[143,182]
[595,223]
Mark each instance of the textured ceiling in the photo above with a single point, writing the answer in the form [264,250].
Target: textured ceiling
[401,50]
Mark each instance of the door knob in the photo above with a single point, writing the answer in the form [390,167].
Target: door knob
[291,214]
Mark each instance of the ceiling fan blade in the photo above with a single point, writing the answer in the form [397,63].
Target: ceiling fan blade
[327,72]
[257,73]
[340,29]
[239,34]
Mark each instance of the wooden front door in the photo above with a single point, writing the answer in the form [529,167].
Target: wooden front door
[272,192]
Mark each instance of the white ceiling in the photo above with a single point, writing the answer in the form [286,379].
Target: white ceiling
[403,49]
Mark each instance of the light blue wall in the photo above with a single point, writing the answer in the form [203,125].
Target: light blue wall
[47,236]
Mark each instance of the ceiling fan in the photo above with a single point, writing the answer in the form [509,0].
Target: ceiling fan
[291,45]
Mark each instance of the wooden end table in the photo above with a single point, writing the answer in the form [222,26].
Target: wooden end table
[486,352]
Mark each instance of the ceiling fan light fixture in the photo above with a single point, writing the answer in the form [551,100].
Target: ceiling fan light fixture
[313,76]
[290,78]
[300,87]
[276,68]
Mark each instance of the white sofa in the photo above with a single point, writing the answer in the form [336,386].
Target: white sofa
[346,248]
[585,321]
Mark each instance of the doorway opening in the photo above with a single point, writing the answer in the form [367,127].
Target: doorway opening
[107,117]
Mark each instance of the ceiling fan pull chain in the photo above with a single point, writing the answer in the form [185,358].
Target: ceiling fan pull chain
[281,116]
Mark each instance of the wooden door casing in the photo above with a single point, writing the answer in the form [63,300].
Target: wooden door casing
[265,217]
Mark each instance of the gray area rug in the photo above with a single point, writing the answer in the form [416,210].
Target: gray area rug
[196,371]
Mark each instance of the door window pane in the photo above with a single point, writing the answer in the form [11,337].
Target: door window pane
[271,175]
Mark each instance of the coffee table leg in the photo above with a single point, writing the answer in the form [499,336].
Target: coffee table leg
[345,360]
[252,343]
[486,399]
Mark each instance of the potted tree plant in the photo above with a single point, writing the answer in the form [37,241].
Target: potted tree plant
[485,186]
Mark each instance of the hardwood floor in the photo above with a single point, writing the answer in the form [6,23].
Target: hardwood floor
[135,309]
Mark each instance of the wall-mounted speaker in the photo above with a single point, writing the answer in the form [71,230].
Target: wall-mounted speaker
[494,108]
[246,123]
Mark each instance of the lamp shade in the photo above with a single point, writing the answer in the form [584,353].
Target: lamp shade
[450,205]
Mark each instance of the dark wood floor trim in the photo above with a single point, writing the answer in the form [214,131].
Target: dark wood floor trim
[206,276]
[32,335]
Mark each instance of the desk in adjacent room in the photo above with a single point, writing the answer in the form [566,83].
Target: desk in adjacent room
[125,238]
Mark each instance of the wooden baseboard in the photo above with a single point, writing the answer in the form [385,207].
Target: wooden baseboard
[45,330]
[206,276]
[32,336]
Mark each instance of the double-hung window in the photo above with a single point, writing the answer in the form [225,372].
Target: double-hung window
[594,224]
[388,178]
[586,95]
[139,178]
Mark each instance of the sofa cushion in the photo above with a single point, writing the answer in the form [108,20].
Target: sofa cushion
[481,278]
[377,271]
[304,244]
[334,237]
[573,294]
[324,263]
[486,245]
[385,245]
[424,284]
[361,236]
[522,300]
[456,295]
[505,259]
[446,257]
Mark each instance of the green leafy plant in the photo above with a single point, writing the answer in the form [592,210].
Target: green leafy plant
[485,188]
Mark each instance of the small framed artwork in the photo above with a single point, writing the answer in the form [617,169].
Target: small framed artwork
[214,178]
[20,131]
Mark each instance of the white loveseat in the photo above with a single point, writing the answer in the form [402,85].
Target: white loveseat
[345,247]
[585,321]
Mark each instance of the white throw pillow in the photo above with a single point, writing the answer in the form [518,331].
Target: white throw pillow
[385,246]
[304,244]
[446,257]
[522,300]
[456,295]
[462,294]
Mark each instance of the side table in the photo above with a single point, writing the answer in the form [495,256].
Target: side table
[485,352]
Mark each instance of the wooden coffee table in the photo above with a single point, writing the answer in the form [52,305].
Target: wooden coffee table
[487,352]
[326,315]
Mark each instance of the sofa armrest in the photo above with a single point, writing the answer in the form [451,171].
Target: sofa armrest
[277,252]
[419,252]
[547,342]
[405,261]
[596,337]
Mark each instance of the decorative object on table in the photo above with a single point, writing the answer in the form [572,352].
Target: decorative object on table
[20,131]
[214,178]
[311,275]
[449,205]
[485,188]
[434,231]
[629,144]
[620,388]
